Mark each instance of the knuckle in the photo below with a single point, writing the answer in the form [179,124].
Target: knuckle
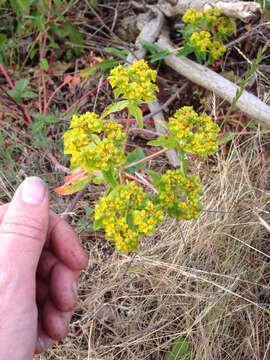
[23,226]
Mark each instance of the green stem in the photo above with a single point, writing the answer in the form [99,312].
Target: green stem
[127,130]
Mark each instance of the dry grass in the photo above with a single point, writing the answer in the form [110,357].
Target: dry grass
[204,280]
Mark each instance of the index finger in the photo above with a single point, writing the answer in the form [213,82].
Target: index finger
[65,243]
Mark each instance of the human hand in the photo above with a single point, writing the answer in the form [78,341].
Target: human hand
[40,258]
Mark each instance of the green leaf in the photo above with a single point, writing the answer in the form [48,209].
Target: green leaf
[75,36]
[225,138]
[134,156]
[117,92]
[181,350]
[186,51]
[37,127]
[98,224]
[118,106]
[201,56]
[90,70]
[44,64]
[137,113]
[28,95]
[21,7]
[58,14]
[168,141]
[160,55]
[21,85]
[152,48]
[15,94]
[156,177]
[49,118]
[107,65]
[61,31]
[94,3]
[121,53]
[58,2]
[3,38]
[33,53]
[109,177]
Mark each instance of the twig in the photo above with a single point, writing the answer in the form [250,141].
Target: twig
[145,159]
[167,103]
[55,92]
[74,201]
[115,15]
[141,180]
[246,35]
[85,96]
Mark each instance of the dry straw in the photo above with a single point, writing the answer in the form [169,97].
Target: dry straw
[205,280]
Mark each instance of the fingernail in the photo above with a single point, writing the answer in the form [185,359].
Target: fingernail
[33,190]
[75,289]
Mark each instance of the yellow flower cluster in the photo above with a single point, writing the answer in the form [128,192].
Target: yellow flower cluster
[217,49]
[211,15]
[200,32]
[192,16]
[225,25]
[178,195]
[196,134]
[88,150]
[135,82]
[126,213]
[201,40]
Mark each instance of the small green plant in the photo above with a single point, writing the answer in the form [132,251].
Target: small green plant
[181,350]
[30,19]
[205,34]
[98,148]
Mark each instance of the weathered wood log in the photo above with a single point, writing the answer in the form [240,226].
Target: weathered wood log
[243,10]
[248,103]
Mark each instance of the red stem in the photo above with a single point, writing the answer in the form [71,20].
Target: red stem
[27,118]
[6,75]
[85,96]
[55,92]
[56,163]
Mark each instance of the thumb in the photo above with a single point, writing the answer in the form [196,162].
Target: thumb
[23,230]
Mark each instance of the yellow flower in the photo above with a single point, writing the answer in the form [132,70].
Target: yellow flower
[217,49]
[192,16]
[212,15]
[126,213]
[196,134]
[201,40]
[90,151]
[135,82]
[225,25]
[178,195]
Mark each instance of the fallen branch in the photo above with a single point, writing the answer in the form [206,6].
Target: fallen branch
[248,103]
[150,32]
[243,10]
